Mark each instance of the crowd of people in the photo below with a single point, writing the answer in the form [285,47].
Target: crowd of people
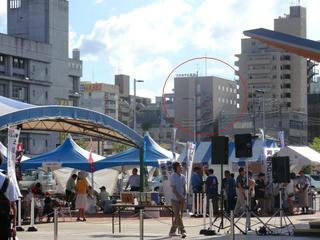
[263,198]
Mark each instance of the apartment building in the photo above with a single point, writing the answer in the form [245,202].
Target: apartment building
[198,102]
[34,62]
[277,79]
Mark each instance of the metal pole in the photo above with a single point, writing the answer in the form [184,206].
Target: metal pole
[32,228]
[264,117]
[19,228]
[141,224]
[134,104]
[232,225]
[55,227]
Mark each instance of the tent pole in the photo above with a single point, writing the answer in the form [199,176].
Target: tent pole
[141,155]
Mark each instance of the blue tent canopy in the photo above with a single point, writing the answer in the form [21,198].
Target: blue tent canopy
[203,151]
[69,154]
[153,153]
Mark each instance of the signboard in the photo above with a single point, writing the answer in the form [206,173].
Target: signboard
[91,87]
[51,166]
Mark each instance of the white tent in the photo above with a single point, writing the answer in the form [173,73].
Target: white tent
[300,156]
[105,177]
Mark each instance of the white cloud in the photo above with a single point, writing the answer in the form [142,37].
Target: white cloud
[150,39]
[99,1]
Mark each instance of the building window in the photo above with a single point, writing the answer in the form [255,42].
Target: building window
[34,93]
[3,89]
[46,143]
[20,93]
[46,71]
[15,4]
[1,60]
[18,63]
[219,87]
[46,95]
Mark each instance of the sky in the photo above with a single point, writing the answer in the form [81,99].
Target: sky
[147,39]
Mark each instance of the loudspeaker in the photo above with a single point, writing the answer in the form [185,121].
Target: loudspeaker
[243,145]
[219,150]
[280,169]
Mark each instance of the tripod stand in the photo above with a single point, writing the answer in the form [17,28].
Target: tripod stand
[249,213]
[283,217]
[223,215]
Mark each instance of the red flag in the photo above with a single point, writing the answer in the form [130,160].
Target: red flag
[90,159]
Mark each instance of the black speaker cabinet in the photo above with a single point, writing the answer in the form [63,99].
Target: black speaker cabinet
[219,150]
[280,169]
[243,145]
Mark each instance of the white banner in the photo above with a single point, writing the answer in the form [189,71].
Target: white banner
[13,138]
[191,149]
[267,162]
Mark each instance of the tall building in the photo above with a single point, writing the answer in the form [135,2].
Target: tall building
[100,97]
[198,101]
[34,62]
[278,78]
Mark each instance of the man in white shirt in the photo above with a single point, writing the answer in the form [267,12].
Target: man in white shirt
[8,197]
[134,181]
[178,186]
[70,190]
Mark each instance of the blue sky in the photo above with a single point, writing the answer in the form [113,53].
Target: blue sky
[147,39]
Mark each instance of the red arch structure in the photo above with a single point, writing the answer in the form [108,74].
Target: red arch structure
[297,45]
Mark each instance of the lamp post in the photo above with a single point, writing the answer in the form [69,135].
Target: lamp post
[263,112]
[134,102]
[195,118]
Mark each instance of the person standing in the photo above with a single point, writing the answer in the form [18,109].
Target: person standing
[240,189]
[302,186]
[260,189]
[178,187]
[211,185]
[134,181]
[8,198]
[81,195]
[196,181]
[70,190]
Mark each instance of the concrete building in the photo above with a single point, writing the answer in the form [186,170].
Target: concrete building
[198,101]
[34,62]
[277,77]
[100,97]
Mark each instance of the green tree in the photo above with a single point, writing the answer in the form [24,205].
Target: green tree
[119,147]
[307,169]
[316,144]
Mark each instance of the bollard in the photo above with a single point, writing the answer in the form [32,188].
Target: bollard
[193,203]
[204,215]
[32,227]
[55,223]
[210,214]
[232,225]
[19,228]
[141,224]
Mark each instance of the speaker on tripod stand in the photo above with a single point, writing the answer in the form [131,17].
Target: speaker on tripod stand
[281,176]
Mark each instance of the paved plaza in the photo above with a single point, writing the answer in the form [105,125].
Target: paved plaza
[154,229]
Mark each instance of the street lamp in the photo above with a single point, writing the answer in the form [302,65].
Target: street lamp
[195,117]
[134,102]
[263,113]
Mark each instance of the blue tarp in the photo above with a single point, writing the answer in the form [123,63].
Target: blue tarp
[203,151]
[69,154]
[153,153]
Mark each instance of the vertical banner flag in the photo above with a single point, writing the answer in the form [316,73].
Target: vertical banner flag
[281,138]
[191,147]
[90,159]
[174,143]
[13,138]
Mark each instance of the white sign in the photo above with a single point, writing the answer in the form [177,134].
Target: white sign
[191,147]
[51,166]
[13,138]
